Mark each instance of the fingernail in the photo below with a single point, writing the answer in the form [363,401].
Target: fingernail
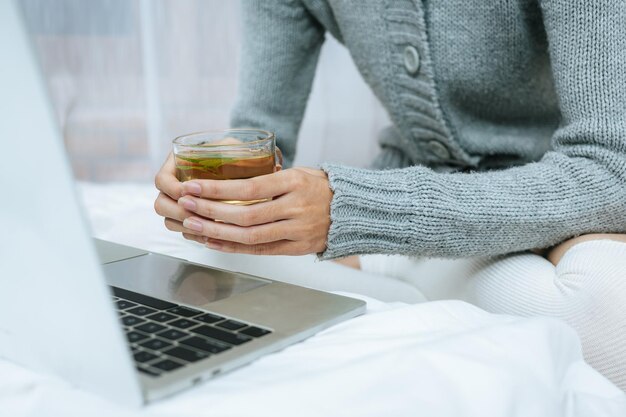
[188,203]
[192,224]
[211,244]
[192,188]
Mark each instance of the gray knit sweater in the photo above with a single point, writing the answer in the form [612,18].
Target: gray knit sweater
[509,117]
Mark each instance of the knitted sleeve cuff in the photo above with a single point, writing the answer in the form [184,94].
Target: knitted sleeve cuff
[375,211]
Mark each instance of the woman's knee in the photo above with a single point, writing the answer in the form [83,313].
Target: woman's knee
[556,253]
[587,289]
[589,273]
[594,277]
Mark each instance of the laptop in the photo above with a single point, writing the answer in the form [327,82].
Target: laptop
[124,323]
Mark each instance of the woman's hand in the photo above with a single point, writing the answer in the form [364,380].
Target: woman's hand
[295,222]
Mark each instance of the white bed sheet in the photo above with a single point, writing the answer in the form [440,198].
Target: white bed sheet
[443,358]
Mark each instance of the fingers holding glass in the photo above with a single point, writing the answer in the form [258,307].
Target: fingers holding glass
[253,235]
[169,208]
[250,215]
[259,188]
[166,181]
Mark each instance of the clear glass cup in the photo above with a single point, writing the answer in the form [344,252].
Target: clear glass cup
[226,155]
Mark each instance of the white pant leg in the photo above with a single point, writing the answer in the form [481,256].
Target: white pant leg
[587,289]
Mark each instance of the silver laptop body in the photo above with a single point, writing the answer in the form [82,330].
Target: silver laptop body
[57,314]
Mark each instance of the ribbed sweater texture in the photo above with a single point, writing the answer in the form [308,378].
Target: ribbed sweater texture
[509,117]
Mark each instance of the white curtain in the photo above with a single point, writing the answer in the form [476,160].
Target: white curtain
[126,77]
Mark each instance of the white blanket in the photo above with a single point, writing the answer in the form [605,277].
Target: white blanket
[444,358]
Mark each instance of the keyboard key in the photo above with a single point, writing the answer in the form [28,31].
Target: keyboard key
[255,331]
[186,354]
[162,317]
[221,335]
[142,356]
[134,337]
[204,344]
[172,334]
[184,311]
[209,318]
[141,311]
[129,320]
[166,365]
[183,323]
[123,304]
[143,299]
[147,371]
[155,344]
[151,327]
[231,325]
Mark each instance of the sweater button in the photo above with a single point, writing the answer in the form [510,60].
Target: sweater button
[438,149]
[411,60]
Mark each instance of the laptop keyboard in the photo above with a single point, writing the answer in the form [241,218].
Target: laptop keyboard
[165,336]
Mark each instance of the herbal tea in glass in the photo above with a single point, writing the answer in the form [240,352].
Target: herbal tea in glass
[225,155]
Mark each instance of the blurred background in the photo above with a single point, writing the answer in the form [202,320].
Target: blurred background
[128,76]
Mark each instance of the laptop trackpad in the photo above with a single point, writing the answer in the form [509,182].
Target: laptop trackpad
[177,280]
